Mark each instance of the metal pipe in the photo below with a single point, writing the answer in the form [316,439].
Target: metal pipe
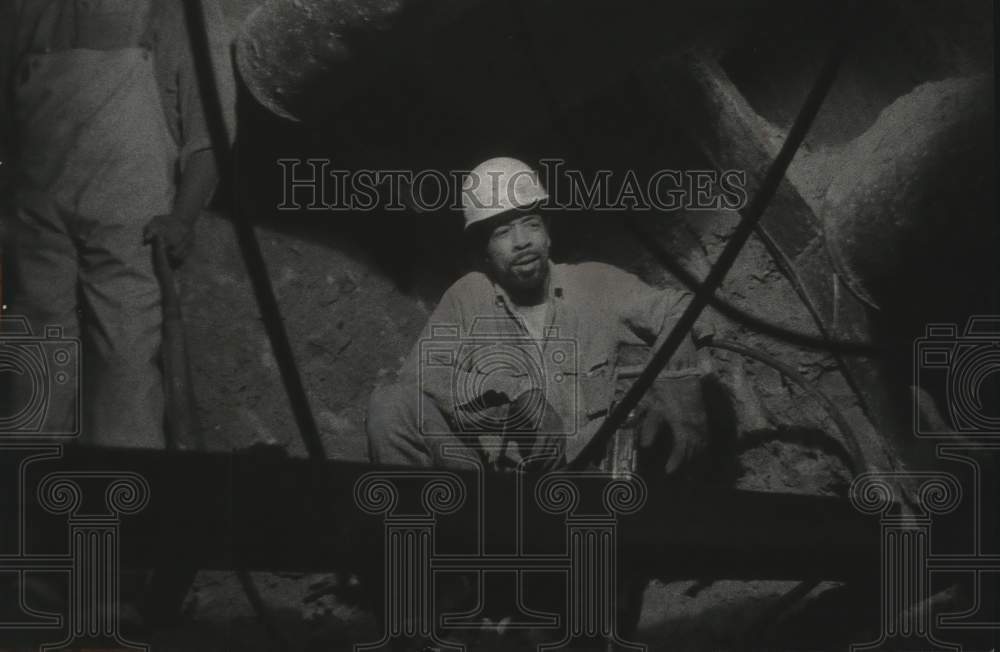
[223,137]
[304,58]
[204,22]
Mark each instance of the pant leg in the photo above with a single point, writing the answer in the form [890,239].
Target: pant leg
[398,417]
[41,288]
[122,322]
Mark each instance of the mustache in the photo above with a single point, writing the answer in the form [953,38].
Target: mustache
[525,257]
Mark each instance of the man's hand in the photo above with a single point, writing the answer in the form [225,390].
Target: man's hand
[505,390]
[177,228]
[672,424]
[176,233]
[531,412]
[539,429]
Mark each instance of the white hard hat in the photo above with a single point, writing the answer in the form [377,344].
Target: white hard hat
[497,186]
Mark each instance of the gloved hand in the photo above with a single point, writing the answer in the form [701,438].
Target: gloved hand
[176,233]
[535,426]
[672,425]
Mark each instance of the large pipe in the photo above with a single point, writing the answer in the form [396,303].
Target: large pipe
[303,59]
[915,195]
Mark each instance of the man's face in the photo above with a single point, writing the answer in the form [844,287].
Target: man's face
[517,252]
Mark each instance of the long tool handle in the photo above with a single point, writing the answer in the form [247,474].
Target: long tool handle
[181,417]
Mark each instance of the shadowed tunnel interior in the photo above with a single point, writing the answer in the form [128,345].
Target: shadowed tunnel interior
[884,223]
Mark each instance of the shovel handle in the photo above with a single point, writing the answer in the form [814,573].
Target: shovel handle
[181,426]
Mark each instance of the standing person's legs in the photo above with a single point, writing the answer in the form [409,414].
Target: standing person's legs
[42,289]
[122,322]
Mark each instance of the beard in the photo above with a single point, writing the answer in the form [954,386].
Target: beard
[528,274]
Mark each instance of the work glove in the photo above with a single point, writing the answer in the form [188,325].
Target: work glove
[671,424]
[176,233]
[532,427]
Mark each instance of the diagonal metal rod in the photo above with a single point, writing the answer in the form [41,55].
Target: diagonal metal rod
[751,218]
[274,323]
[734,312]
[205,20]
[199,12]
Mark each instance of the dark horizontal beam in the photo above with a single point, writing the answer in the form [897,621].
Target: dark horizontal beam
[266,512]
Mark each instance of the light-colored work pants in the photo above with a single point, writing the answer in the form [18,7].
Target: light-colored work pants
[96,164]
